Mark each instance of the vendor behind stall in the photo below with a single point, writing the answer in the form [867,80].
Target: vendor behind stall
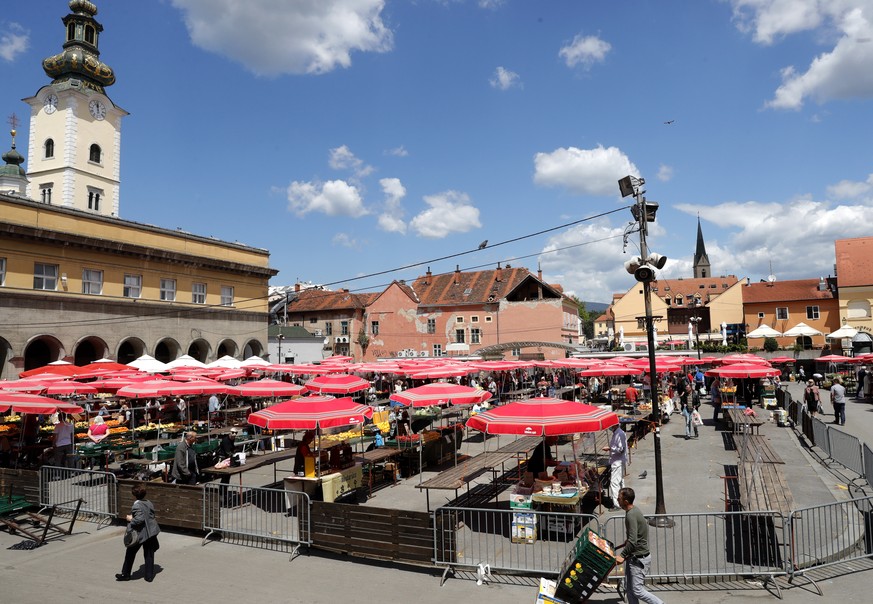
[540,460]
[303,451]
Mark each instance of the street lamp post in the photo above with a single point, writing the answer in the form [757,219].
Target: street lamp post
[696,321]
[643,267]
[280,337]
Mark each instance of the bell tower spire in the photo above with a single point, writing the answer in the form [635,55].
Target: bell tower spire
[701,260]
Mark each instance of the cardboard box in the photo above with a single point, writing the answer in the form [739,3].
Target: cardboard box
[523,533]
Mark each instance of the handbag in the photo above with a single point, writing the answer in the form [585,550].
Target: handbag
[131,537]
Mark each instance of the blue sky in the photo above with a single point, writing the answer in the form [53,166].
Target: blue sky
[351,137]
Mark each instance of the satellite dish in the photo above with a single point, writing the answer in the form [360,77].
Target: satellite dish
[771,278]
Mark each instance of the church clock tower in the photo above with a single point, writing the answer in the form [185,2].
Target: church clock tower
[75,129]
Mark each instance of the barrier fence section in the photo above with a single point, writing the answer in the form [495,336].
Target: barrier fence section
[820,436]
[868,464]
[512,540]
[716,544]
[62,487]
[262,517]
[846,450]
[832,533]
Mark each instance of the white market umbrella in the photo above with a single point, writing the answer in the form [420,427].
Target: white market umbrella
[254,362]
[185,361]
[846,331]
[148,364]
[802,329]
[226,362]
[764,331]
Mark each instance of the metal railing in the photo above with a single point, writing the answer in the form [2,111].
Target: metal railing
[868,464]
[712,545]
[845,449]
[63,487]
[261,517]
[820,435]
[511,540]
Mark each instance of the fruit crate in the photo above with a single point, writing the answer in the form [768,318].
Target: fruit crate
[592,557]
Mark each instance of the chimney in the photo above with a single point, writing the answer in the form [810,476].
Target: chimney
[498,274]
[822,284]
[297,286]
[457,274]
[539,272]
[427,276]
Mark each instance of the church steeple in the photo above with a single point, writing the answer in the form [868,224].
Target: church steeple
[13,179]
[80,59]
[701,260]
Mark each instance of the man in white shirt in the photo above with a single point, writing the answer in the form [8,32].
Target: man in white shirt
[617,462]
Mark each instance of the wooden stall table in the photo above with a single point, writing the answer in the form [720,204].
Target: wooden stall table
[252,462]
[741,422]
[369,459]
[333,485]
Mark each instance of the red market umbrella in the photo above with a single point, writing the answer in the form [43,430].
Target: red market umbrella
[30,403]
[147,389]
[311,413]
[231,374]
[67,388]
[662,365]
[608,370]
[781,360]
[195,388]
[337,383]
[743,358]
[708,360]
[743,371]
[56,368]
[265,388]
[338,358]
[833,358]
[115,383]
[303,369]
[31,386]
[439,393]
[543,417]
[441,372]
[102,366]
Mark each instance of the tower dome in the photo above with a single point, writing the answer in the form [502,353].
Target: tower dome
[80,58]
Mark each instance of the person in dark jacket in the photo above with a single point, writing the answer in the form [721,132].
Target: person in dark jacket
[185,468]
[142,520]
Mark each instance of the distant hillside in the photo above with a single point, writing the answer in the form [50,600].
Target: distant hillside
[596,306]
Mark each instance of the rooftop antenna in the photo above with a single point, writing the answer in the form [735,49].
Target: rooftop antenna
[771,278]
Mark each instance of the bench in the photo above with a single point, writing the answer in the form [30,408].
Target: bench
[14,522]
[763,488]
[755,447]
[739,422]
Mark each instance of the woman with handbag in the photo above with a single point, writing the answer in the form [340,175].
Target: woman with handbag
[144,529]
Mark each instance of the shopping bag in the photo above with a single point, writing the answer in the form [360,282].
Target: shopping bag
[696,419]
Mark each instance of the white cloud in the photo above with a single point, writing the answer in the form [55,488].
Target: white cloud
[398,151]
[391,219]
[273,37]
[346,240]
[587,171]
[665,173]
[342,158]
[587,261]
[503,79]
[850,189]
[585,51]
[449,212]
[334,198]
[842,72]
[796,236]
[14,40]
[491,4]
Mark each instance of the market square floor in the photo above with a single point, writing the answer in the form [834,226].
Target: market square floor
[82,566]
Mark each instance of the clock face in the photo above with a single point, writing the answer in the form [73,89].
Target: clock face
[51,104]
[97,109]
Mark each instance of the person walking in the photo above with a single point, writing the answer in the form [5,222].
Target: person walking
[838,400]
[690,400]
[142,520]
[618,459]
[185,470]
[715,396]
[62,441]
[635,553]
[812,398]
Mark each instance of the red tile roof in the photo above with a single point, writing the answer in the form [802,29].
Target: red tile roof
[705,286]
[470,287]
[785,291]
[854,261]
[310,300]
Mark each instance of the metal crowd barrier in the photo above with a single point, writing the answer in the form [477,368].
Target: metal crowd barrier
[63,487]
[846,450]
[868,464]
[820,436]
[266,518]
[511,540]
[713,545]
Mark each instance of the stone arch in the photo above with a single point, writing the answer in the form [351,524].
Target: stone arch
[167,350]
[7,370]
[42,350]
[129,350]
[199,349]
[253,348]
[226,348]
[89,349]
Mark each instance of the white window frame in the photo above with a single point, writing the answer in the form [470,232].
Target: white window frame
[475,336]
[132,286]
[779,314]
[461,336]
[45,193]
[344,328]
[431,326]
[760,315]
[474,319]
[328,328]
[437,350]
[198,293]
[487,319]
[813,313]
[43,279]
[168,290]
[95,197]
[459,319]
[374,328]
[227,295]
[92,277]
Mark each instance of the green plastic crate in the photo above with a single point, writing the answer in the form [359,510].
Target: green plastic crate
[593,559]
